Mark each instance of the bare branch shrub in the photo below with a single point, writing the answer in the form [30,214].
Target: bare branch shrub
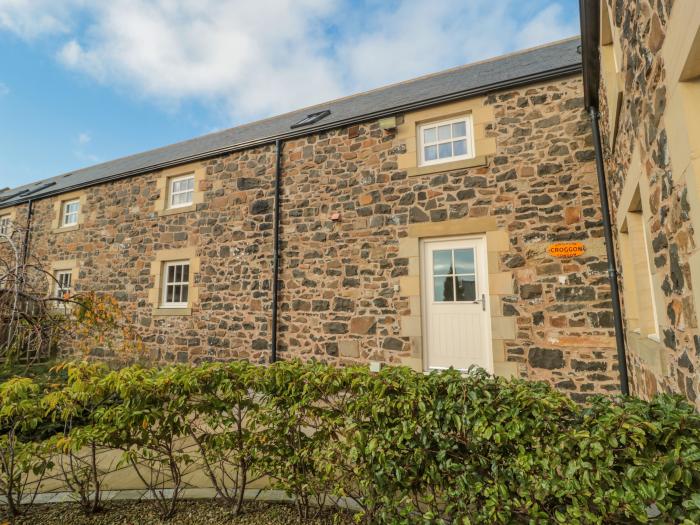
[38,320]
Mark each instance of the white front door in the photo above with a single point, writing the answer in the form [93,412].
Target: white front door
[456,317]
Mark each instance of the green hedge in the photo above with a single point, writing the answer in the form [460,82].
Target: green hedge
[408,448]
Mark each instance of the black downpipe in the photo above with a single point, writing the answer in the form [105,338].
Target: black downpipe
[612,266]
[25,241]
[275,247]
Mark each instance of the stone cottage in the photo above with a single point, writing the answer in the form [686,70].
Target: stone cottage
[642,76]
[450,220]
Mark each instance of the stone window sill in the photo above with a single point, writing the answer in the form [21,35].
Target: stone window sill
[476,162]
[175,211]
[64,229]
[172,312]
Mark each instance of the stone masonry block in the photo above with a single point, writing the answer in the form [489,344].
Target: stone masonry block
[408,247]
[410,285]
[410,326]
[501,283]
[503,328]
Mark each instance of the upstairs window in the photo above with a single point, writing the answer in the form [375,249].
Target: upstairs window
[181,191]
[176,284]
[446,141]
[69,212]
[5,224]
[62,283]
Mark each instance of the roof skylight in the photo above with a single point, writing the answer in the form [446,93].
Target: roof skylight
[311,118]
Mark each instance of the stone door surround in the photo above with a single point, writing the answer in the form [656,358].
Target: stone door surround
[500,284]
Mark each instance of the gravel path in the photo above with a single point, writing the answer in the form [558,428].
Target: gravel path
[189,513]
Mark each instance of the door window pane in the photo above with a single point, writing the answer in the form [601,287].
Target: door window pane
[465,288]
[454,275]
[464,261]
[443,289]
[442,262]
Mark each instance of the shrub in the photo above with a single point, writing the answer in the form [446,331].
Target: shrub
[293,428]
[22,454]
[76,407]
[408,448]
[149,423]
[224,404]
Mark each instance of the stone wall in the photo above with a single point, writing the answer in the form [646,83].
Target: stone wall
[639,32]
[347,212]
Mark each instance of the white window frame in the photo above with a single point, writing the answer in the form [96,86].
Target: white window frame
[59,291]
[164,303]
[172,193]
[469,138]
[6,224]
[65,214]
[454,275]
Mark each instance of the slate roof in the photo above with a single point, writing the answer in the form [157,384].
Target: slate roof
[524,67]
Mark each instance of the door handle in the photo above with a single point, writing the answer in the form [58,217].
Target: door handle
[482,301]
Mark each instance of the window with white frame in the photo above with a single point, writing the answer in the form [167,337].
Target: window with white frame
[176,284]
[181,191]
[446,141]
[5,224]
[69,212]
[62,284]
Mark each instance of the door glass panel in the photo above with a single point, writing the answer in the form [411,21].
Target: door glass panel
[454,275]
[443,289]
[465,288]
[464,260]
[442,262]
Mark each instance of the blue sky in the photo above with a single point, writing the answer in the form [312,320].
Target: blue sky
[83,82]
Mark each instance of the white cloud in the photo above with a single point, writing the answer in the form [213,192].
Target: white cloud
[422,37]
[84,138]
[30,19]
[261,57]
[4,90]
[546,26]
[257,57]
